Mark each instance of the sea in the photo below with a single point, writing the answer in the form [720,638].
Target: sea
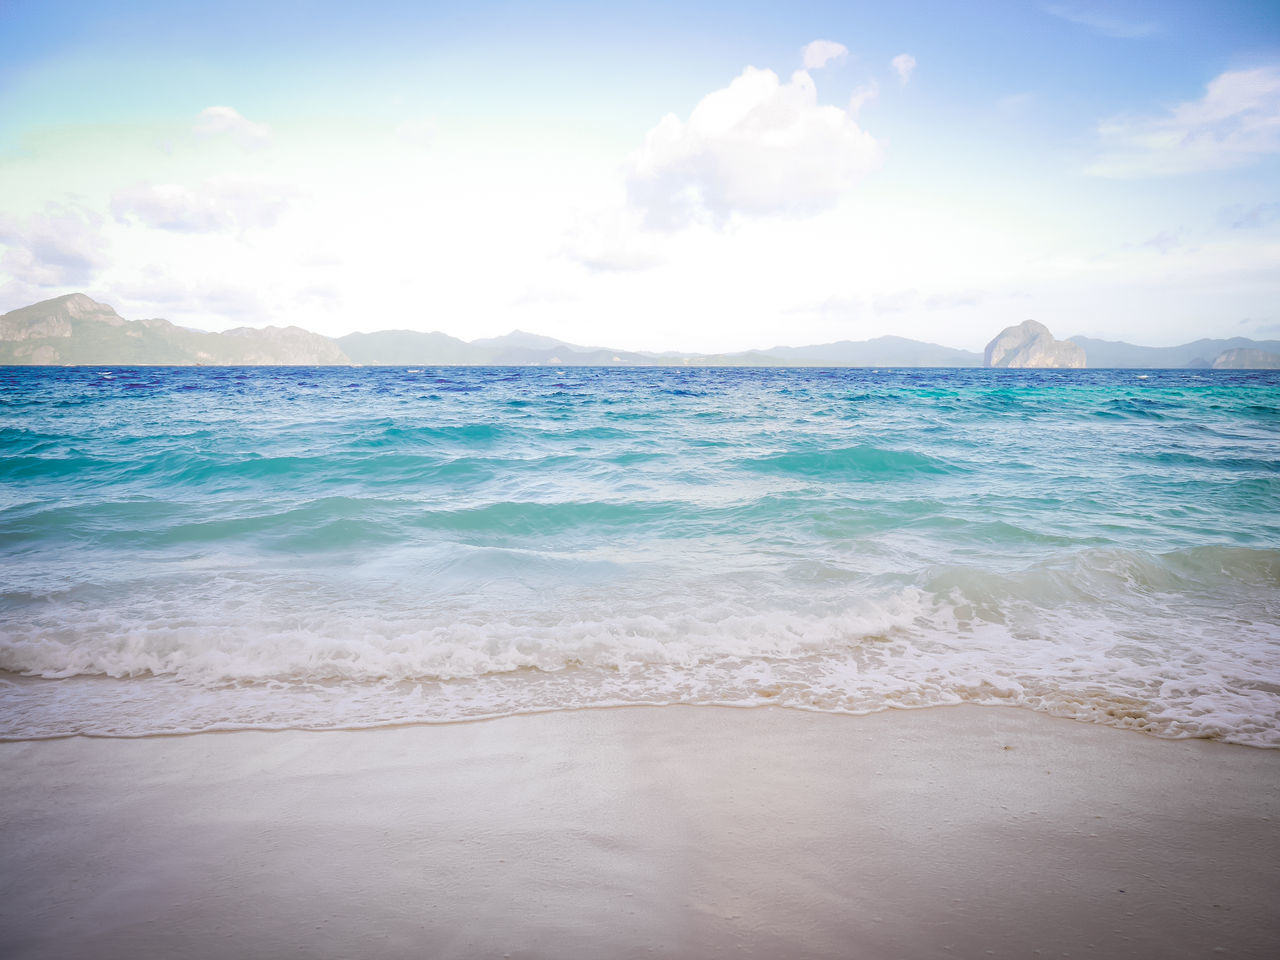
[192,549]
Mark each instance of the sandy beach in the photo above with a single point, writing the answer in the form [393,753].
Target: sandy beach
[645,832]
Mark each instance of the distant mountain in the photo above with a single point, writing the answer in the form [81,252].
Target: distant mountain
[402,347]
[1030,344]
[1247,360]
[271,345]
[518,348]
[879,352]
[77,330]
[1199,353]
[519,340]
[399,347]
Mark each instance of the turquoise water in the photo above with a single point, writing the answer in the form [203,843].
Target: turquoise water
[196,548]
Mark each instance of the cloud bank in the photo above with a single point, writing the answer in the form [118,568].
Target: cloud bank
[1236,123]
[219,204]
[759,147]
[60,247]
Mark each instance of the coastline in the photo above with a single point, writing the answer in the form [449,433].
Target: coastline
[645,831]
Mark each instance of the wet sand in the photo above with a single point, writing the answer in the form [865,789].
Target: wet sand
[645,832]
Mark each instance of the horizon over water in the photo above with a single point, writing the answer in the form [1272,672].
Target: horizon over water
[186,549]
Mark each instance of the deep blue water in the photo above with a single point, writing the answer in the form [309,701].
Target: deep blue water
[194,548]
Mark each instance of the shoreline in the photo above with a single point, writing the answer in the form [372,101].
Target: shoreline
[677,831]
[1222,740]
[36,700]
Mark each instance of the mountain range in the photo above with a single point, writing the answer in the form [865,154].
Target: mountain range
[78,330]
[75,329]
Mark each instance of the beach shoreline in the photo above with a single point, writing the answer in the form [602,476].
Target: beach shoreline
[671,831]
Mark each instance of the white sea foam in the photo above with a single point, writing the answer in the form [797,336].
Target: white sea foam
[280,653]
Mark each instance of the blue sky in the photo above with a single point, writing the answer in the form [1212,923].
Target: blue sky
[659,175]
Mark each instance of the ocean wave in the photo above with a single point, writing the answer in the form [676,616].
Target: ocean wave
[1123,637]
[851,462]
[351,547]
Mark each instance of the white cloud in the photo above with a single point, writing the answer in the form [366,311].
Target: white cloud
[611,241]
[1258,215]
[1103,23]
[819,53]
[862,95]
[758,147]
[955,299]
[218,204]
[1234,124]
[904,64]
[155,291]
[62,247]
[227,122]
[1162,242]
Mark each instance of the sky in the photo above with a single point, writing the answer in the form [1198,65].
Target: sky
[688,176]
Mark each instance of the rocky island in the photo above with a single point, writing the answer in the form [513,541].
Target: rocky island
[1030,344]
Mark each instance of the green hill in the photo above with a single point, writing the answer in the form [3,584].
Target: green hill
[75,329]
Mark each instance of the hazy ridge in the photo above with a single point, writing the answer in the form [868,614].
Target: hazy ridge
[75,329]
